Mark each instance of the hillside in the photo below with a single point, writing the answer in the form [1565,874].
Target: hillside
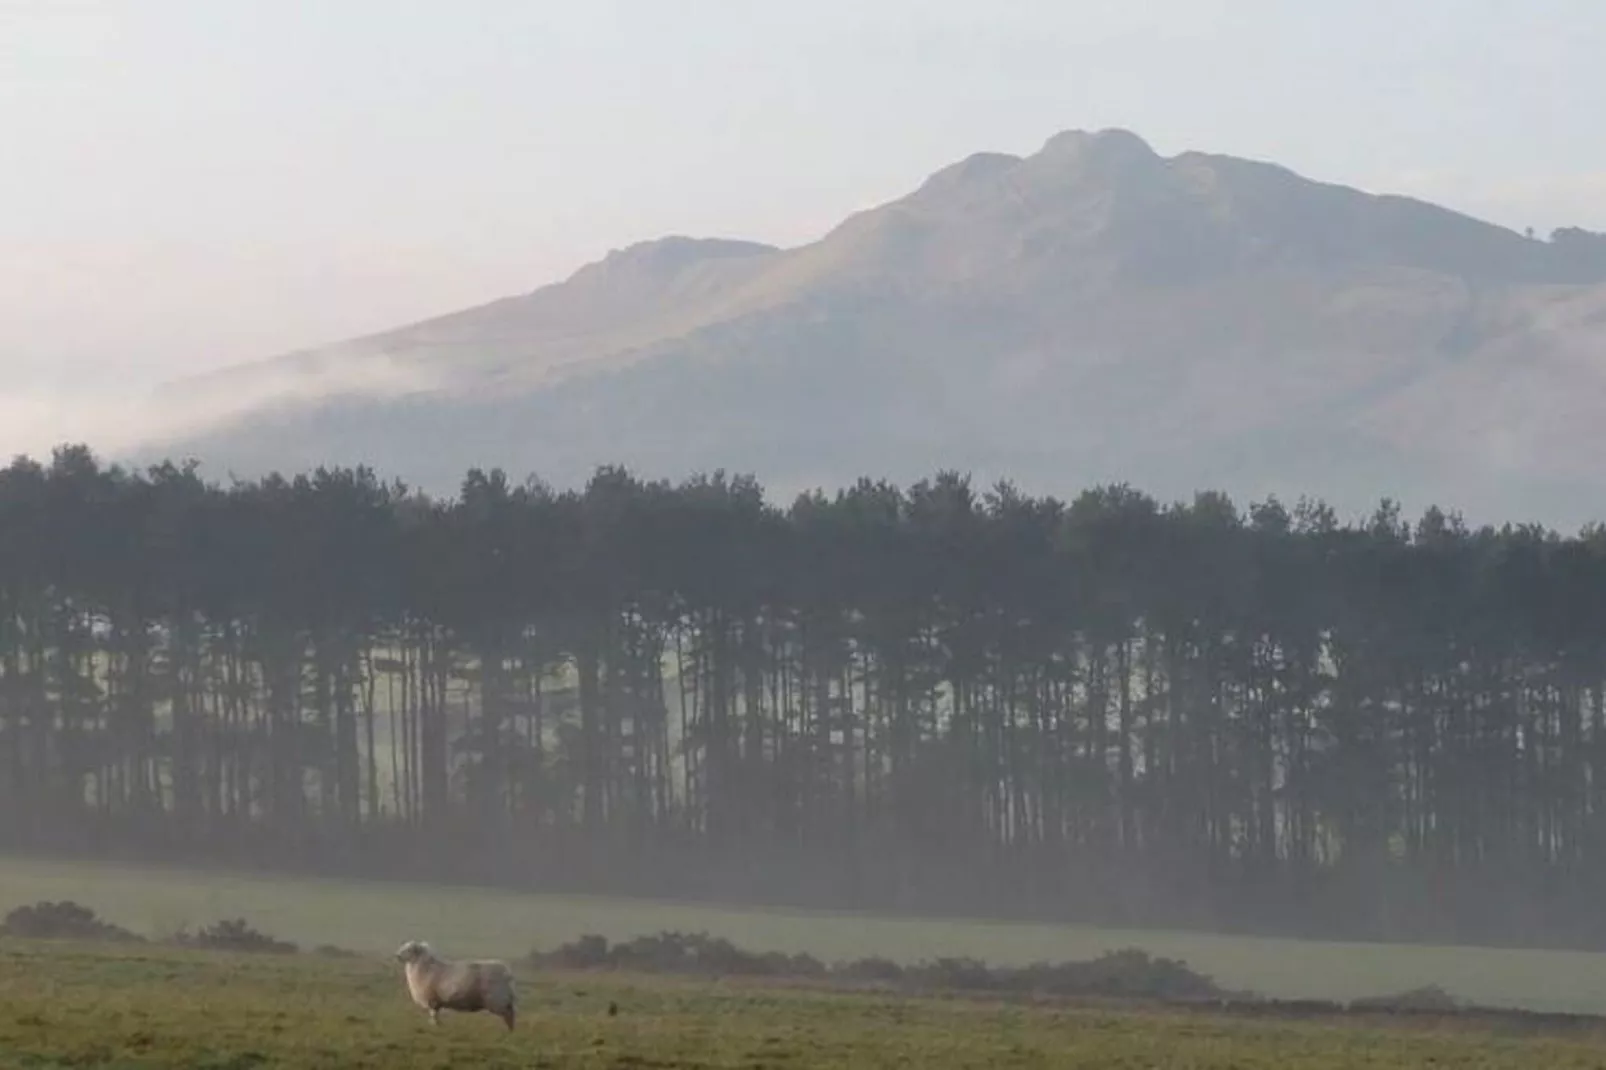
[1091,312]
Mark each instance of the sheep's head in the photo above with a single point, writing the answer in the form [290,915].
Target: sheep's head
[413,951]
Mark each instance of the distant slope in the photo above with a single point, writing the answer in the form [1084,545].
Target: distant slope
[1091,312]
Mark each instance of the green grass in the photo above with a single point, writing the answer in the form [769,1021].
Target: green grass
[65,1005]
[375,918]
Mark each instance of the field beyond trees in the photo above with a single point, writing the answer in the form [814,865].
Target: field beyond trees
[927,700]
[146,1008]
[372,919]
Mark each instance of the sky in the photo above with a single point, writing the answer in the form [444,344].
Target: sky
[188,184]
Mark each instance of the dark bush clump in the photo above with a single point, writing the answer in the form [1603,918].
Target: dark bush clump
[958,974]
[590,952]
[1127,973]
[874,969]
[1291,1008]
[234,934]
[330,951]
[65,920]
[674,952]
[1122,974]
[1428,998]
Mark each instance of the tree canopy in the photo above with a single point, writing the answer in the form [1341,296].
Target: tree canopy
[932,698]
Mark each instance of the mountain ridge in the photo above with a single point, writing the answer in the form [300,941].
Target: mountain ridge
[1091,312]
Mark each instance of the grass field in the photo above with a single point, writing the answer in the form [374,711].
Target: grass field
[375,918]
[65,1005]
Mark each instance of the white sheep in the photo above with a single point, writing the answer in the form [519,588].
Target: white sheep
[438,985]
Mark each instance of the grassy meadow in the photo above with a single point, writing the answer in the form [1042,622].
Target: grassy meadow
[373,918]
[153,1008]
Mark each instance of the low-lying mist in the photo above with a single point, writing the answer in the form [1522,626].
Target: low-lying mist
[116,421]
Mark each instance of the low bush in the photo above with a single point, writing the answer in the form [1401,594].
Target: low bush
[873,969]
[64,920]
[958,974]
[675,952]
[234,934]
[1126,973]
[1428,998]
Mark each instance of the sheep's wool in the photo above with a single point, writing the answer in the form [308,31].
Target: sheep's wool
[436,984]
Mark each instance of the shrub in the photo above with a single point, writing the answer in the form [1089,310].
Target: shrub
[1430,998]
[1126,973]
[874,968]
[65,920]
[959,974]
[675,952]
[587,953]
[234,934]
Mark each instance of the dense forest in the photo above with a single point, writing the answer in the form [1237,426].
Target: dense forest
[934,698]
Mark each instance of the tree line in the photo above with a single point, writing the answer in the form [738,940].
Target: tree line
[932,698]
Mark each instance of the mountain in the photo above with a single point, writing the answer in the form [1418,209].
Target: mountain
[1092,312]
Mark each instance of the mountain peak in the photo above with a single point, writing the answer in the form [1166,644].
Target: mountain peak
[1019,316]
[1113,145]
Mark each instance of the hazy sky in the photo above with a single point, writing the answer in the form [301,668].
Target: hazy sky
[189,183]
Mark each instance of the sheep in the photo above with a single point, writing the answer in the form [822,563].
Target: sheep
[436,984]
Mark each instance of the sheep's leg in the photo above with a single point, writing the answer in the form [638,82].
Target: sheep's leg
[507,1016]
[435,1016]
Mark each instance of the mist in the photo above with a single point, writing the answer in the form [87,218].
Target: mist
[120,422]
